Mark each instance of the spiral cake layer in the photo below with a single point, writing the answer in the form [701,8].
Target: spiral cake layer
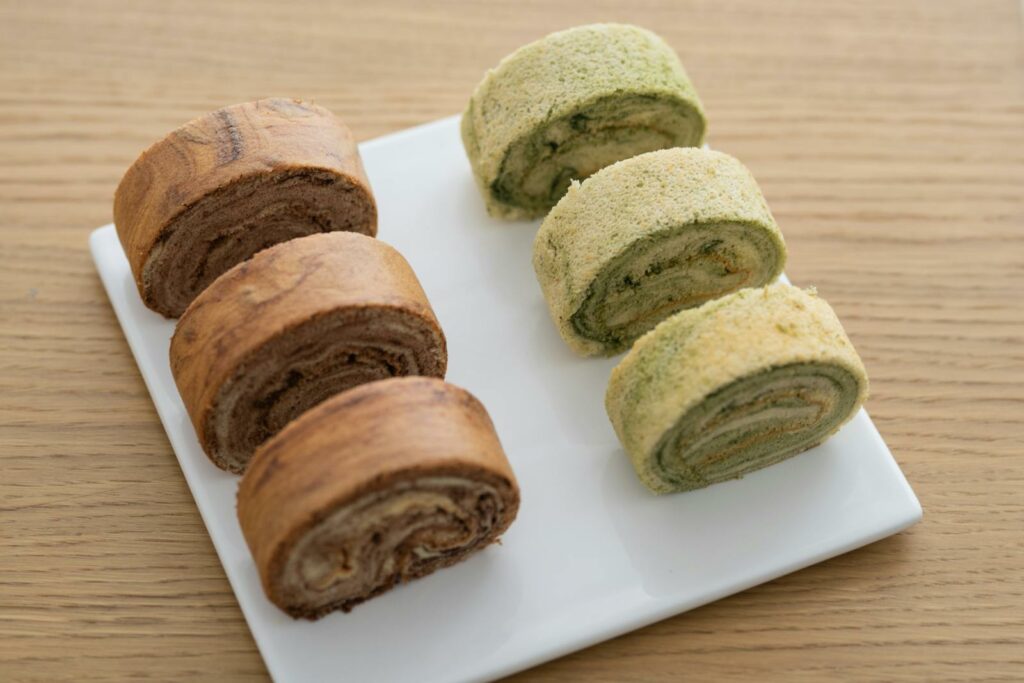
[736,385]
[296,324]
[569,104]
[379,485]
[650,236]
[231,183]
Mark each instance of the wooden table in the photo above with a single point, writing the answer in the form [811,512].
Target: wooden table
[888,137]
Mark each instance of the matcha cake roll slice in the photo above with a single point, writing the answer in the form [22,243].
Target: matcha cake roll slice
[569,104]
[738,384]
[650,236]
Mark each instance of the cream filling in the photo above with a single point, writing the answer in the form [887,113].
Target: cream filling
[388,536]
[669,271]
[574,160]
[755,422]
[538,168]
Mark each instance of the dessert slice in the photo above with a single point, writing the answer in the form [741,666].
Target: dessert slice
[377,486]
[230,183]
[650,236]
[296,324]
[569,104]
[740,383]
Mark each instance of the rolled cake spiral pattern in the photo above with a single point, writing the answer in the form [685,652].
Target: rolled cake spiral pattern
[736,385]
[569,104]
[294,325]
[379,485]
[230,183]
[649,236]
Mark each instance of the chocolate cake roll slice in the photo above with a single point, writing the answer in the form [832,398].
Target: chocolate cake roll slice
[569,104]
[296,324]
[649,236]
[230,183]
[379,485]
[740,383]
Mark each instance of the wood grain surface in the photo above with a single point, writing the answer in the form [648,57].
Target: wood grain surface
[887,135]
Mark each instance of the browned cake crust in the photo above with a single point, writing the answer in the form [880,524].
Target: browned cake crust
[294,325]
[379,485]
[230,183]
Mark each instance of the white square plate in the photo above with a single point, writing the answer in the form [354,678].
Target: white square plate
[593,554]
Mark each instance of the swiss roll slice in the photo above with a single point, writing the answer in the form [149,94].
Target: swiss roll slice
[289,328]
[736,385]
[379,485]
[569,104]
[231,183]
[650,236]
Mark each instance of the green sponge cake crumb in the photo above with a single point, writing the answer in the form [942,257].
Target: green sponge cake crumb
[738,384]
[569,104]
[649,236]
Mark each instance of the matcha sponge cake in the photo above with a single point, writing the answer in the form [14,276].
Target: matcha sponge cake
[738,384]
[569,104]
[650,236]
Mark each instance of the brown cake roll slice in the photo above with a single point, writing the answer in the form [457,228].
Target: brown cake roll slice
[297,323]
[230,183]
[379,485]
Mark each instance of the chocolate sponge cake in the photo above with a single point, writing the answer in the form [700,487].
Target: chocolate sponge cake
[377,486]
[230,183]
[297,323]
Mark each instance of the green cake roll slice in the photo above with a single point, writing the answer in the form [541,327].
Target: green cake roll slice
[736,385]
[650,236]
[569,104]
